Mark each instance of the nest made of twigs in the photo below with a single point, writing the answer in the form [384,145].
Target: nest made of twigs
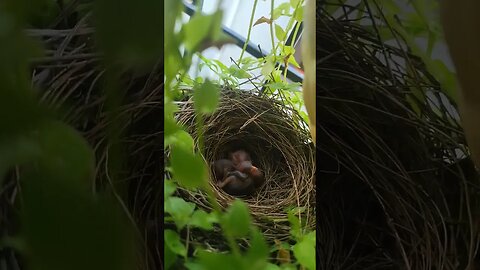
[277,139]
[394,191]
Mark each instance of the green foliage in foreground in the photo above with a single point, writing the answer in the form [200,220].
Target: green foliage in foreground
[63,224]
[235,223]
[201,32]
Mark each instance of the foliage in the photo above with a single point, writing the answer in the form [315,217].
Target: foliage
[242,70]
[201,32]
[62,221]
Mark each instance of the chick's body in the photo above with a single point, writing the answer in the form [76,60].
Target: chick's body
[236,175]
[239,156]
[238,184]
[221,168]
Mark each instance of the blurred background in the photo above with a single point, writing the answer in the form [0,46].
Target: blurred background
[235,24]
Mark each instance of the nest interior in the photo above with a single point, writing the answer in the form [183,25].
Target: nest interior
[278,141]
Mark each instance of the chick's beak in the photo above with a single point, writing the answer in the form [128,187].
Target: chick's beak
[255,171]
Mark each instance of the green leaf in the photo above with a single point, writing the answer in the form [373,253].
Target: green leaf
[206,97]
[170,125]
[304,116]
[199,80]
[170,128]
[220,64]
[288,267]
[174,9]
[196,30]
[247,62]
[173,65]
[294,3]
[415,24]
[202,219]
[299,14]
[288,50]
[279,32]
[391,7]
[295,228]
[169,188]
[203,31]
[277,76]
[61,221]
[188,168]
[277,85]
[282,9]
[271,266]
[180,138]
[238,73]
[194,266]
[268,67]
[213,261]
[294,87]
[17,151]
[180,210]
[384,32]
[216,26]
[170,107]
[432,40]
[293,61]
[237,219]
[172,240]
[66,153]
[170,256]
[257,254]
[304,251]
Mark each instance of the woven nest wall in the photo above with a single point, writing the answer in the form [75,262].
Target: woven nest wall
[394,190]
[278,140]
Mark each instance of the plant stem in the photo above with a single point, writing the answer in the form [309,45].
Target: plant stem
[295,32]
[211,195]
[249,31]
[199,124]
[272,7]
[216,208]
[289,25]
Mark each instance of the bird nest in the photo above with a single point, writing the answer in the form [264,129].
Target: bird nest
[397,189]
[278,140]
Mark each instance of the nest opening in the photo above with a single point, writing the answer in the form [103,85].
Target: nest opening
[278,141]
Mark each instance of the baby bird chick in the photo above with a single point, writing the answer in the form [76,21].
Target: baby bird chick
[237,184]
[221,167]
[253,172]
[239,156]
